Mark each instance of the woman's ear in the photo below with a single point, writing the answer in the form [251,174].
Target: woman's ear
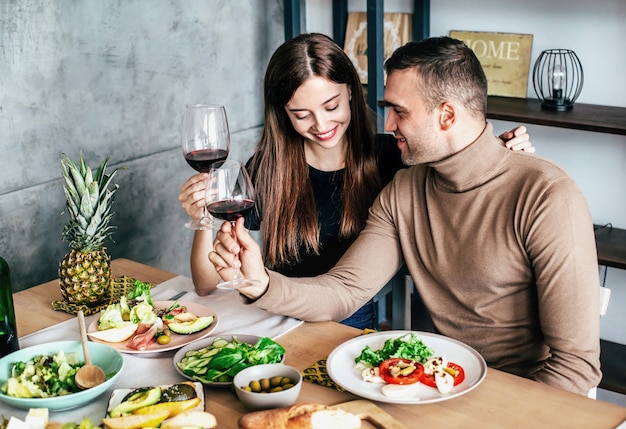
[447,115]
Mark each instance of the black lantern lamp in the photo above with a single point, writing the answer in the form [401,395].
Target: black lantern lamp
[558,79]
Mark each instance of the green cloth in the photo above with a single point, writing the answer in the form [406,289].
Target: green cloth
[318,374]
[118,287]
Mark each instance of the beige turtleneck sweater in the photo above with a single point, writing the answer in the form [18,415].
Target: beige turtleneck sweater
[501,248]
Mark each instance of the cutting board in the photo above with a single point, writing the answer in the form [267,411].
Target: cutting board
[371,415]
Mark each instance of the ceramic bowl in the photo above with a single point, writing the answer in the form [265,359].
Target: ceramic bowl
[264,401]
[200,344]
[107,358]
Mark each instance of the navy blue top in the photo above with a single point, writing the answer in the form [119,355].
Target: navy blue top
[327,191]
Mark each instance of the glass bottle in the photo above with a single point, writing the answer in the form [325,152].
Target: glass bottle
[8,328]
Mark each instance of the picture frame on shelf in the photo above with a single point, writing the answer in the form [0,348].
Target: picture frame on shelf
[505,58]
[398,28]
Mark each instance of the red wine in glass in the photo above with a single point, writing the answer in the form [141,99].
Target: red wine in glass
[230,210]
[205,140]
[229,196]
[202,160]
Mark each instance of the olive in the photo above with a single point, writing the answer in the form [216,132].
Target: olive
[265,384]
[163,339]
[275,381]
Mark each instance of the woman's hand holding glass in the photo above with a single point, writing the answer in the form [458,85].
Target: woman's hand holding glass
[233,246]
[230,196]
[192,195]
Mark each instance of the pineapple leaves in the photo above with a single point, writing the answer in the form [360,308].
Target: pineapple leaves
[70,202]
[69,186]
[89,203]
[75,176]
[85,172]
[100,172]
[82,222]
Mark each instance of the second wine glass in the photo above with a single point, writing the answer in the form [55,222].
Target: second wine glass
[229,196]
[205,140]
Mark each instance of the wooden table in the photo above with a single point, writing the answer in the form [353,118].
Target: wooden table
[33,309]
[501,401]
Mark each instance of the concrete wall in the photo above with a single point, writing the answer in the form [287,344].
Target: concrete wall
[111,78]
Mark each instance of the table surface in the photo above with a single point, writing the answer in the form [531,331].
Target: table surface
[502,400]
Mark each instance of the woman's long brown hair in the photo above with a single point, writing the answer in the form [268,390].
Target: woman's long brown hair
[279,168]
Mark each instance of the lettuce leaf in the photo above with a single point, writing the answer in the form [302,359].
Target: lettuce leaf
[143,313]
[115,316]
[407,346]
[230,358]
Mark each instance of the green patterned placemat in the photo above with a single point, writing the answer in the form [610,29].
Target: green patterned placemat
[118,287]
[318,374]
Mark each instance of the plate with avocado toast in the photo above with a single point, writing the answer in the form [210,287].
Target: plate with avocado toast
[160,402]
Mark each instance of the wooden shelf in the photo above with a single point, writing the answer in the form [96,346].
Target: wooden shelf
[611,244]
[586,117]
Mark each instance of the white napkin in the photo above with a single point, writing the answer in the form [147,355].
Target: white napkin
[142,370]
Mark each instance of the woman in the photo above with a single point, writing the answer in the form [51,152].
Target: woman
[317,169]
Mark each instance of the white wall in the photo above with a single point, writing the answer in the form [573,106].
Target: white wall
[595,31]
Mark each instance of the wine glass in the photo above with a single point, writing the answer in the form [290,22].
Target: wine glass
[229,196]
[205,139]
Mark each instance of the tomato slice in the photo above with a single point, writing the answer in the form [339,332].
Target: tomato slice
[389,367]
[429,379]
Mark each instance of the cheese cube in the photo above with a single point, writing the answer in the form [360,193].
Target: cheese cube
[15,423]
[37,418]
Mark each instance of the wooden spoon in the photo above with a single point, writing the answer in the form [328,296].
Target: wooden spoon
[88,375]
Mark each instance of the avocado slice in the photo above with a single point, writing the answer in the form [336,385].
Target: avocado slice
[138,400]
[190,327]
[179,392]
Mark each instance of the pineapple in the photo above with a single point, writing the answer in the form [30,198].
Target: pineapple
[84,273]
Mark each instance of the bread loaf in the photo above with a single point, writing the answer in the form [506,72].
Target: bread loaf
[325,419]
[300,416]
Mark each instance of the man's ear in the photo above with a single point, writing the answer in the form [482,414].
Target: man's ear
[447,115]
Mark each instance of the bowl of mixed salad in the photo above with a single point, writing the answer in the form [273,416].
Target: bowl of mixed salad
[42,376]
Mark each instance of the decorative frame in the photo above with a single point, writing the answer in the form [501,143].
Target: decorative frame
[505,58]
[397,32]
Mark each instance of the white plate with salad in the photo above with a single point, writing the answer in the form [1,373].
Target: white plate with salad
[176,340]
[343,368]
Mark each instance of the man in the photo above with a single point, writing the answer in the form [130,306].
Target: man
[500,244]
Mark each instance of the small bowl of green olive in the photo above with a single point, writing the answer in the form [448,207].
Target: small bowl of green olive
[262,387]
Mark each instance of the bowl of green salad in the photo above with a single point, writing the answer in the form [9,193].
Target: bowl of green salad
[42,376]
[214,361]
